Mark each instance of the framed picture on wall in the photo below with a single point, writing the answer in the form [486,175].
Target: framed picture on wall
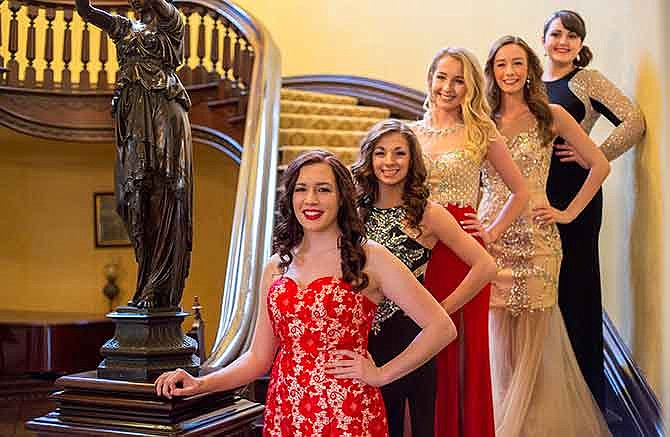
[109,228]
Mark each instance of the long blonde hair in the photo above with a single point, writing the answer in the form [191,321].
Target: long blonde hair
[475,110]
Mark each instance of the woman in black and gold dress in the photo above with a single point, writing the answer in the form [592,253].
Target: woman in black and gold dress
[585,94]
[393,201]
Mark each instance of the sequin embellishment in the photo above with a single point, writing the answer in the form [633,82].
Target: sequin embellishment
[385,226]
[528,255]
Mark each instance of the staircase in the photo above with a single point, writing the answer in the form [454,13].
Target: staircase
[311,120]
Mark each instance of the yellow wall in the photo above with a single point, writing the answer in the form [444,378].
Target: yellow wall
[48,260]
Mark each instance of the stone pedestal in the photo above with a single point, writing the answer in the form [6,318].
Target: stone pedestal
[146,344]
[91,406]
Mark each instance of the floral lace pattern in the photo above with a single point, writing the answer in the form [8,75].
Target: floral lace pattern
[311,323]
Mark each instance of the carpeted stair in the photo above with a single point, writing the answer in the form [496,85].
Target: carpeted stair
[312,120]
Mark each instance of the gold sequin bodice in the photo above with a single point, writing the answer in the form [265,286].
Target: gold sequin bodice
[453,177]
[528,255]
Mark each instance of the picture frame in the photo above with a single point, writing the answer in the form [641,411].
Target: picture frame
[109,228]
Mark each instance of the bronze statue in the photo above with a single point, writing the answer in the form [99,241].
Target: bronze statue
[153,174]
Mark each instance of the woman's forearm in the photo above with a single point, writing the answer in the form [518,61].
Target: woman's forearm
[479,275]
[591,185]
[242,371]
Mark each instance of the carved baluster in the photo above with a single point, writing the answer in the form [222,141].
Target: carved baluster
[243,82]
[236,62]
[103,57]
[13,64]
[66,79]
[84,76]
[2,60]
[226,61]
[248,66]
[200,70]
[29,76]
[214,48]
[185,73]
[48,81]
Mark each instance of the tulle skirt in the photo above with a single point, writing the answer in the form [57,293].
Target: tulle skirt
[538,389]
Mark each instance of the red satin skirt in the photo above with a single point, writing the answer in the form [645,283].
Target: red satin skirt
[463,403]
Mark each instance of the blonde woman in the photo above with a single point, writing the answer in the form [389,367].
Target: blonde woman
[457,135]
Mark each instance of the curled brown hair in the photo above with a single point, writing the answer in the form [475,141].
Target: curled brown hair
[534,92]
[415,192]
[574,22]
[288,232]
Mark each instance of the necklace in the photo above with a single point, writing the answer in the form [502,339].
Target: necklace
[425,127]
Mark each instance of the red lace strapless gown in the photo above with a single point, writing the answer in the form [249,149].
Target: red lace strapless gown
[311,322]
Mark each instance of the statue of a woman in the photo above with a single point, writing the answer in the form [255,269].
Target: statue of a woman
[154,175]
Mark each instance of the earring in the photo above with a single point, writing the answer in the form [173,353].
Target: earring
[528,83]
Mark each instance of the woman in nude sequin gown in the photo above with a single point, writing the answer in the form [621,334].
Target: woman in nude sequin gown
[586,94]
[456,135]
[538,389]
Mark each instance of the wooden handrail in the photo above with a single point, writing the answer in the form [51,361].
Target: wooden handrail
[404,103]
[253,217]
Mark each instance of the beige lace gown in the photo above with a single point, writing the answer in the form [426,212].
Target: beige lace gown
[538,389]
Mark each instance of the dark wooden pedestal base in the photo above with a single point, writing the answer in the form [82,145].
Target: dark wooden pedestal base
[146,344]
[89,406]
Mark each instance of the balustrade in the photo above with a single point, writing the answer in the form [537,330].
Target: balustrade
[49,47]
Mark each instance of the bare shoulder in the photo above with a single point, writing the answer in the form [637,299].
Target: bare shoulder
[557,110]
[271,268]
[561,117]
[372,249]
[497,140]
[432,212]
[377,257]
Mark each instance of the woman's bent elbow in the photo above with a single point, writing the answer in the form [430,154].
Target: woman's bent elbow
[449,330]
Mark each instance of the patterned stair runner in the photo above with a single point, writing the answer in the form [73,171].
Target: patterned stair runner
[310,120]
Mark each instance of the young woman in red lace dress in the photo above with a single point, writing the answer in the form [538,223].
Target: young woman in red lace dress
[319,294]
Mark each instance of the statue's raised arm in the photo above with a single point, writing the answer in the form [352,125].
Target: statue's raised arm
[95,16]
[163,8]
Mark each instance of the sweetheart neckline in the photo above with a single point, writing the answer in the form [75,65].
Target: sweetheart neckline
[329,277]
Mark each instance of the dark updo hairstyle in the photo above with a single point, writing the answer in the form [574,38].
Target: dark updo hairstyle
[415,192]
[534,92]
[572,21]
[288,232]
